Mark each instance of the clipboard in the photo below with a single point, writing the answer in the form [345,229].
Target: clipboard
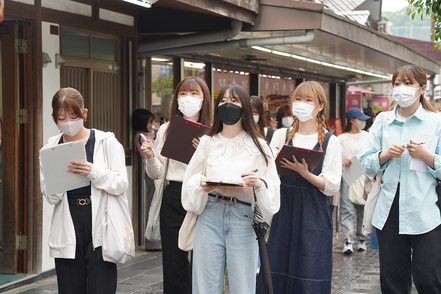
[312,157]
[178,145]
[55,160]
[225,184]
[352,172]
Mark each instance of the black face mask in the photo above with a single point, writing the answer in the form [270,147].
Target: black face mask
[230,113]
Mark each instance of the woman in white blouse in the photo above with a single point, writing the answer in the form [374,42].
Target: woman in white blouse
[300,242]
[224,237]
[191,100]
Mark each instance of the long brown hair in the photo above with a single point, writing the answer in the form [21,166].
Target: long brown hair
[257,103]
[192,84]
[68,99]
[247,122]
[413,73]
[315,90]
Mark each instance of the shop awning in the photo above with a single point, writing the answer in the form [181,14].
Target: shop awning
[337,40]
[355,89]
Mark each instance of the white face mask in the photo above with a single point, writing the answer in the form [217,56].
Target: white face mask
[303,111]
[360,124]
[256,118]
[189,106]
[405,96]
[287,121]
[71,128]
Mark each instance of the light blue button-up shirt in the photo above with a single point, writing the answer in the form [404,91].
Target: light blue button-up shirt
[418,212]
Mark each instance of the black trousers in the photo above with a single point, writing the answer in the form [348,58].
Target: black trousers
[175,263]
[404,256]
[88,272]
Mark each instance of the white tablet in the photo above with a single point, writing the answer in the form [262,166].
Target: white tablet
[55,160]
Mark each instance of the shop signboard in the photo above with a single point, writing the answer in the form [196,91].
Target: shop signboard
[380,103]
[221,79]
[2,10]
[353,100]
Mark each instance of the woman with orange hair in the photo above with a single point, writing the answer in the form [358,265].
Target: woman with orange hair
[300,243]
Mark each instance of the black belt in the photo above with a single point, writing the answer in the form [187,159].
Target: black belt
[79,201]
[227,198]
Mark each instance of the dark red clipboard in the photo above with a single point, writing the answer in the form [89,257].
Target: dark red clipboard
[312,157]
[178,145]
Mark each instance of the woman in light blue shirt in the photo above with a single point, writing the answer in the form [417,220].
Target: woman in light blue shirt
[406,215]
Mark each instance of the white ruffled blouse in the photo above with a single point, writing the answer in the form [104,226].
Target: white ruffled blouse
[227,160]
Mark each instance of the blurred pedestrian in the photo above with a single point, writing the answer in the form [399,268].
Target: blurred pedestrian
[259,118]
[142,121]
[284,117]
[352,142]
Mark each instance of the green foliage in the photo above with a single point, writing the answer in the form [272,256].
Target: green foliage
[430,9]
[404,26]
[163,86]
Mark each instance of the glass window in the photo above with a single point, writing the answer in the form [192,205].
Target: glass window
[194,69]
[104,49]
[75,44]
[162,86]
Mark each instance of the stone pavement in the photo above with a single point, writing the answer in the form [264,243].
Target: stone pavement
[352,274]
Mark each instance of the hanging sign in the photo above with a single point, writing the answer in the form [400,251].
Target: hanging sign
[2,10]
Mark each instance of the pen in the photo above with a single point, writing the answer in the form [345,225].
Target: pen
[253,171]
[421,143]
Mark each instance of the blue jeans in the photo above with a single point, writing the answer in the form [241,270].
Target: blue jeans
[347,214]
[224,239]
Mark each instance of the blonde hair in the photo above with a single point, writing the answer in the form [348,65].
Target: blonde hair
[413,73]
[315,90]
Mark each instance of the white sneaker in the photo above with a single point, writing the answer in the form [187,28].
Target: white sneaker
[361,245]
[347,247]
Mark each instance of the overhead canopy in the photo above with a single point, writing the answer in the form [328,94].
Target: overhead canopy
[355,89]
[341,49]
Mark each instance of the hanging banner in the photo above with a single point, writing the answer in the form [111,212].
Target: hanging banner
[221,79]
[2,10]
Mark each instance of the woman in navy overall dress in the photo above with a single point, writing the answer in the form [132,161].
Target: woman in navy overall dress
[300,241]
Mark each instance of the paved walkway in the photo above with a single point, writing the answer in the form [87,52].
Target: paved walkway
[352,274]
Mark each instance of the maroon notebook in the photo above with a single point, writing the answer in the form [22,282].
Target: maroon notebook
[312,157]
[178,145]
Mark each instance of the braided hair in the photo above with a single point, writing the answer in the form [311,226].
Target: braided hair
[315,90]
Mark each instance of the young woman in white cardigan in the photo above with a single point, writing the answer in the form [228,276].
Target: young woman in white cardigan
[75,239]
[224,237]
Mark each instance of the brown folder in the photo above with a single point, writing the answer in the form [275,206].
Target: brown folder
[312,157]
[178,145]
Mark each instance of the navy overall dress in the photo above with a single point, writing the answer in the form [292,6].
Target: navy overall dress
[300,242]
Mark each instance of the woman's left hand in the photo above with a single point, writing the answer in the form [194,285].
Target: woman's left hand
[196,142]
[416,151]
[252,180]
[80,167]
[299,166]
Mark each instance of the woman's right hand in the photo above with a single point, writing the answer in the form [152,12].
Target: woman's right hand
[394,151]
[147,149]
[347,161]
